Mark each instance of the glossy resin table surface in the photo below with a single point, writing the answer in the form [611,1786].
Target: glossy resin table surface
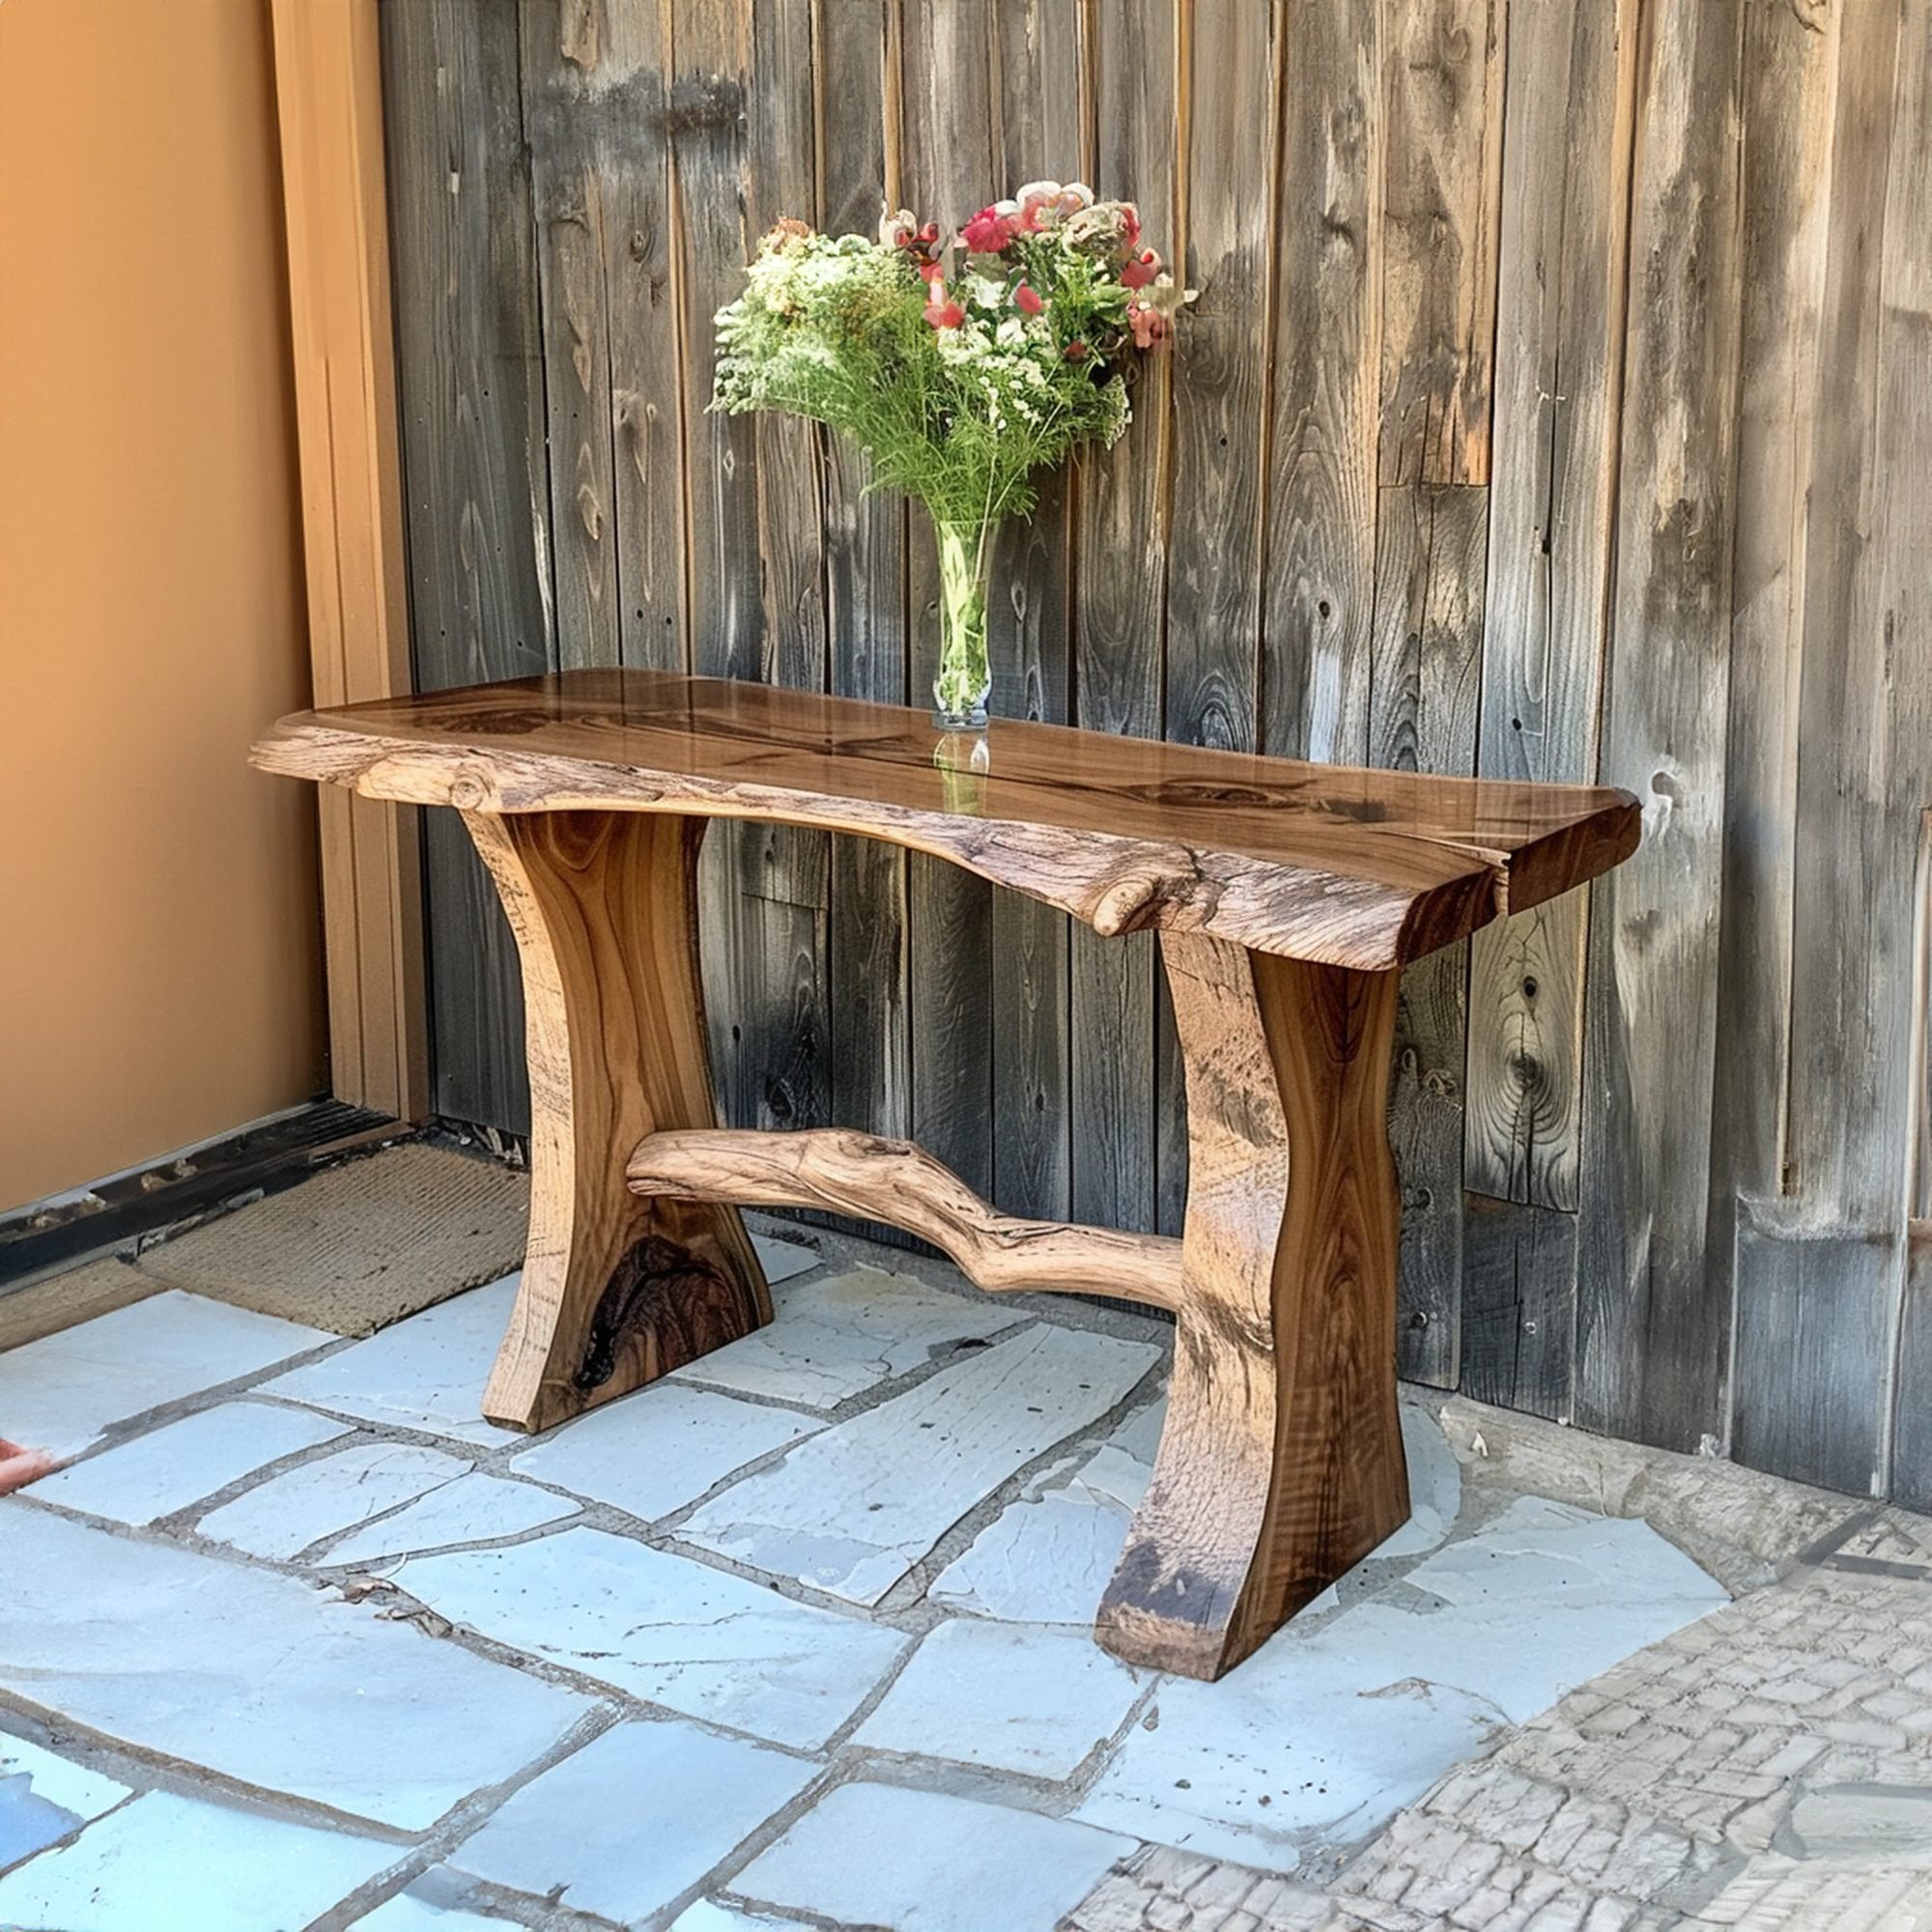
[1344,865]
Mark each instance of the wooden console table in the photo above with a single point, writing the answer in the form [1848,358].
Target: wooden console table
[1287,897]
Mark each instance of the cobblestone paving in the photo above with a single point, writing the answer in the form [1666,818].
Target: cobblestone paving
[1768,1768]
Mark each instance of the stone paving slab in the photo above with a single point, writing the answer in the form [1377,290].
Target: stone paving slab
[165,1863]
[636,1818]
[1046,1561]
[781,1260]
[259,1676]
[652,1452]
[44,1798]
[708,1916]
[1038,1702]
[844,1335]
[179,1465]
[471,1509]
[318,1501]
[63,1392]
[407,1913]
[852,1509]
[426,1373]
[878,1854]
[1314,1739]
[666,1629]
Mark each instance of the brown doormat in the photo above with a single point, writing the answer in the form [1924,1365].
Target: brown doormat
[66,1301]
[360,1245]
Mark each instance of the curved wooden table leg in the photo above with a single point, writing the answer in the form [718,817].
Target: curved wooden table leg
[1281,1463]
[616,1289]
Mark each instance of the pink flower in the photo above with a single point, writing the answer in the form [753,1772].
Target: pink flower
[1028,299]
[987,233]
[1131,225]
[943,314]
[931,271]
[1076,351]
[1149,325]
[1140,268]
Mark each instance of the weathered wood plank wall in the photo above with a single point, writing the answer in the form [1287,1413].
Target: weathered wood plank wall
[1557,404]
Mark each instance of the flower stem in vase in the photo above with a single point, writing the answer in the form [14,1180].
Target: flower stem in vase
[965,677]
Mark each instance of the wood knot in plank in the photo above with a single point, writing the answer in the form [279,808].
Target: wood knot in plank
[473,788]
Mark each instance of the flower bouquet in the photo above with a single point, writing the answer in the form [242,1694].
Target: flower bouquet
[961,367]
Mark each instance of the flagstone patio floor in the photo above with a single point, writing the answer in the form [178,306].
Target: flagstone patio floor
[797,1636]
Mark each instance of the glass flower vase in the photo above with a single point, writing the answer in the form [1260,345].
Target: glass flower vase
[965,677]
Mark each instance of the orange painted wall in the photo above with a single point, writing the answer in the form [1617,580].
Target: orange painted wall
[159,940]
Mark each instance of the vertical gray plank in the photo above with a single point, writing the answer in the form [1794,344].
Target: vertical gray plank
[1911,1415]
[1038,105]
[710,107]
[642,330]
[566,69]
[1424,672]
[1443,101]
[1119,632]
[1814,1313]
[1652,1324]
[1909,336]
[1232,84]
[1519,1304]
[1562,267]
[1328,359]
[471,379]
[787,980]
[1865,773]
[950,150]
[744,148]
[1566,184]
[871,1073]
[1790,84]
[1219,365]
[1441,106]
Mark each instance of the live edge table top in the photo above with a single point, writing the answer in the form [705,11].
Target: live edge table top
[1324,863]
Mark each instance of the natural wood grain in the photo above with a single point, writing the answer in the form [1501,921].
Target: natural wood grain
[1814,1337]
[1820,1290]
[1519,1304]
[475,466]
[870,1075]
[1570,119]
[1910,1471]
[1353,867]
[1119,618]
[615,1291]
[1442,94]
[948,153]
[568,67]
[1220,369]
[1029,627]
[1325,407]
[1281,1462]
[329,97]
[848,1172]
[1790,87]
[1653,1321]
[1425,675]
